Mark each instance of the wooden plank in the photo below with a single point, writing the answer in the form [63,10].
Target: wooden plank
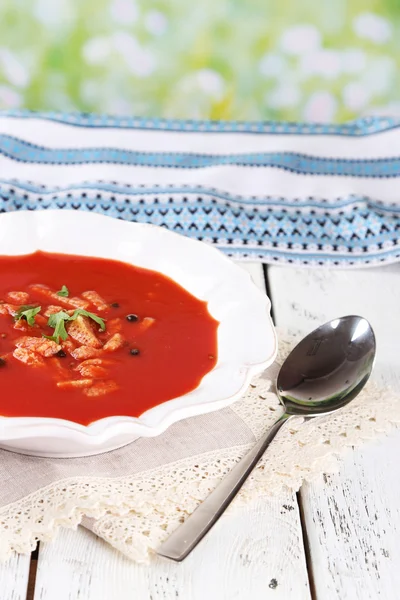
[353,525]
[254,552]
[14,578]
[352,518]
[305,298]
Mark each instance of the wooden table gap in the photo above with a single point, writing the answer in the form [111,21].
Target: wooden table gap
[306,545]
[268,290]
[32,573]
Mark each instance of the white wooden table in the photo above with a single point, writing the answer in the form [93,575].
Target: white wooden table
[338,539]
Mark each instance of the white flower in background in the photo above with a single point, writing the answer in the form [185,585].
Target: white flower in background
[285,95]
[272,65]
[380,75]
[125,43]
[354,60]
[54,13]
[145,65]
[90,91]
[139,60]
[194,94]
[96,50]
[321,107]
[300,39]
[355,96]
[119,106]
[211,83]
[124,12]
[9,98]
[156,22]
[13,69]
[321,63]
[372,27]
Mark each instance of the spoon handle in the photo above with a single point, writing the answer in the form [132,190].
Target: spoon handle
[186,537]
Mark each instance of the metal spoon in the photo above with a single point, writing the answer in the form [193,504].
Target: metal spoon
[326,370]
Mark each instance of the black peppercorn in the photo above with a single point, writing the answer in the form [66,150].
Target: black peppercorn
[132,318]
[134,351]
[115,305]
[61,354]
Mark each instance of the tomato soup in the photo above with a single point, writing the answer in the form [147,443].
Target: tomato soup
[86,338]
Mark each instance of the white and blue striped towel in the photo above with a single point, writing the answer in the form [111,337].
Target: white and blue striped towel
[276,192]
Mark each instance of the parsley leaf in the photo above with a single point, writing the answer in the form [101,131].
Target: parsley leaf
[85,313]
[57,321]
[28,312]
[63,292]
[22,309]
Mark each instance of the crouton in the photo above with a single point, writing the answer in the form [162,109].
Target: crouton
[101,388]
[114,343]
[145,324]
[74,384]
[18,297]
[84,352]
[40,345]
[8,309]
[81,331]
[28,357]
[95,299]
[51,310]
[102,362]
[94,371]
[64,301]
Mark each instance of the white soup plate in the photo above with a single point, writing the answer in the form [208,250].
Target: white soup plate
[247,341]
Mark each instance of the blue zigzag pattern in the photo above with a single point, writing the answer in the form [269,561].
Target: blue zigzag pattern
[357,232]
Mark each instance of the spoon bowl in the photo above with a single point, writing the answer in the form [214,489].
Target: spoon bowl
[326,370]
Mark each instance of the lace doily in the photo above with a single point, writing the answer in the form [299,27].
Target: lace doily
[135,514]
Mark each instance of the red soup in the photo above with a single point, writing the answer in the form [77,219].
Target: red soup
[86,338]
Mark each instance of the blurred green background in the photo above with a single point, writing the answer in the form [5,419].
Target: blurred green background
[321,60]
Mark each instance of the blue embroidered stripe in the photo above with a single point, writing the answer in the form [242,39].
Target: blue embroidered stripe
[358,234]
[360,127]
[290,161]
[210,193]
